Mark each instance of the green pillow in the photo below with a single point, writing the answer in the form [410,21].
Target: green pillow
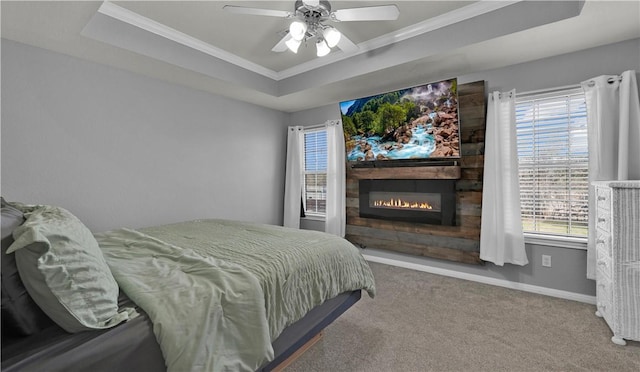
[63,269]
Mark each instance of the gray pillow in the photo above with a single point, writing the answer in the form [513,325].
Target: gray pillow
[20,315]
[63,269]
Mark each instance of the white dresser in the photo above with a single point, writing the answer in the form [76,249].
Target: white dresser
[618,257]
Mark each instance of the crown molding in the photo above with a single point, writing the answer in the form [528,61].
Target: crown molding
[443,20]
[124,15]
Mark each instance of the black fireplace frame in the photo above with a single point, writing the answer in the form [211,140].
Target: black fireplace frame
[446,188]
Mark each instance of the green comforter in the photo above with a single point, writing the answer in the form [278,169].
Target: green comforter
[219,292]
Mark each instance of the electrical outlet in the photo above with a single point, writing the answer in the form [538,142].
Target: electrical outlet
[546,260]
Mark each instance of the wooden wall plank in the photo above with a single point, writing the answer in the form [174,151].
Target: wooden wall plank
[469,227]
[467,149]
[472,161]
[463,244]
[471,88]
[469,185]
[412,173]
[417,249]
[473,174]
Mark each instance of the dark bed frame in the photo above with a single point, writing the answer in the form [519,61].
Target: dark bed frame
[298,334]
[132,346]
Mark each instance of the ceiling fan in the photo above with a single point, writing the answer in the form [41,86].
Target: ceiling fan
[309,17]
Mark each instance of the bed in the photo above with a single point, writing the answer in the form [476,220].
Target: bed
[203,295]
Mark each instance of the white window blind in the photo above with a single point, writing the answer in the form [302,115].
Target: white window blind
[315,171]
[553,162]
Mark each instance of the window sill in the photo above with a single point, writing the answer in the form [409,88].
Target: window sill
[556,241]
[313,218]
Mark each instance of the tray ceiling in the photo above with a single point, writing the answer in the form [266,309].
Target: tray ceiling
[197,44]
[252,37]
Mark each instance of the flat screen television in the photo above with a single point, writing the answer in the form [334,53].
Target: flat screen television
[416,123]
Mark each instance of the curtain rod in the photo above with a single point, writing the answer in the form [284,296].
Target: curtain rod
[318,126]
[311,127]
[323,125]
[611,80]
[548,90]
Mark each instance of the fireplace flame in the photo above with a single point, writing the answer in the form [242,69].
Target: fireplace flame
[399,203]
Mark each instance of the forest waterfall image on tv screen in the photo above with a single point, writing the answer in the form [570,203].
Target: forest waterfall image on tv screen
[413,123]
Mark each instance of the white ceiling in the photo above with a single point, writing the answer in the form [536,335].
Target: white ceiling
[197,44]
[207,22]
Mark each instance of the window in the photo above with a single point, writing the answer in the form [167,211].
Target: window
[315,172]
[553,162]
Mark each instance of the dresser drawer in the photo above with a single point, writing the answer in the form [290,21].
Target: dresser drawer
[604,265]
[604,298]
[603,220]
[603,198]
[603,242]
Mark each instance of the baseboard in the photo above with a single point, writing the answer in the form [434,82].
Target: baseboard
[486,280]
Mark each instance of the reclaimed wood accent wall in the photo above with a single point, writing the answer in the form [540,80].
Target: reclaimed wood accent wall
[459,243]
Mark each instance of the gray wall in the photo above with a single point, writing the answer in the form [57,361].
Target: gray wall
[119,149]
[568,271]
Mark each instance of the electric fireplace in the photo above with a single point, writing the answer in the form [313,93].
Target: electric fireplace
[425,201]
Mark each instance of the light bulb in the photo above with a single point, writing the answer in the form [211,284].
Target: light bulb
[332,36]
[322,48]
[293,45]
[297,30]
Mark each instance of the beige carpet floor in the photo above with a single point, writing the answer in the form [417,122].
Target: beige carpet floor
[425,322]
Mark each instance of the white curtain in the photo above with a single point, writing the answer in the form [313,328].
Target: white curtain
[613,127]
[501,237]
[294,177]
[336,197]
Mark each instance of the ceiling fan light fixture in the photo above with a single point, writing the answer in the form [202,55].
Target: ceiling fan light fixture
[311,3]
[331,36]
[322,49]
[297,30]
[308,21]
[293,45]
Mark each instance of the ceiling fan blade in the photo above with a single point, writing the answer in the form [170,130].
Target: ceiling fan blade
[346,45]
[257,11]
[371,13]
[281,46]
